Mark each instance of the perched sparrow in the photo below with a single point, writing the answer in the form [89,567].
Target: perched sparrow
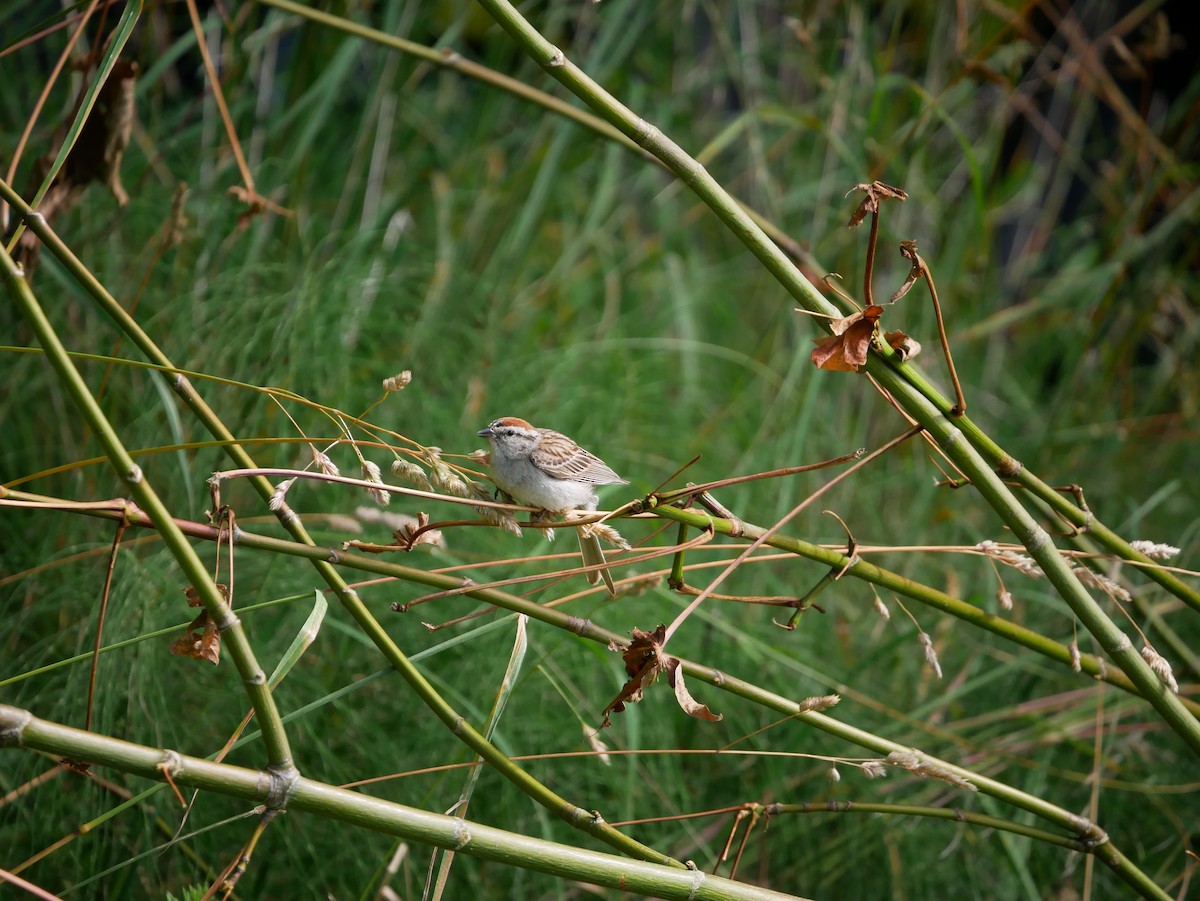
[545,469]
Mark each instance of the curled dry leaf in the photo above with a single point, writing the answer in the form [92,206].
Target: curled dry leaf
[690,705]
[846,349]
[905,347]
[201,640]
[875,191]
[644,661]
[908,250]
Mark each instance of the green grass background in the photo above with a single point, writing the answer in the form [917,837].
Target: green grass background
[519,264]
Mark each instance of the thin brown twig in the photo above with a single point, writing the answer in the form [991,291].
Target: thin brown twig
[908,249]
[755,816]
[692,490]
[34,891]
[104,594]
[471,585]
[247,192]
[768,533]
[869,266]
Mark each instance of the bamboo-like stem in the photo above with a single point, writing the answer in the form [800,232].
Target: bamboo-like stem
[649,138]
[914,402]
[1043,550]
[19,728]
[571,813]
[254,679]
[1011,468]
[1089,664]
[1080,826]
[1090,832]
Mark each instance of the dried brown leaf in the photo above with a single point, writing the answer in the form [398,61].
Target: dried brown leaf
[846,349]
[690,705]
[875,191]
[644,660]
[905,347]
[908,250]
[201,641]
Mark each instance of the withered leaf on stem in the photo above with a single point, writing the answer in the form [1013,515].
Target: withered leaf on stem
[644,661]
[201,640]
[908,250]
[846,349]
[905,347]
[875,191]
[690,705]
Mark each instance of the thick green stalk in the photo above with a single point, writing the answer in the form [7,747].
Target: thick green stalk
[649,138]
[589,630]
[19,728]
[1090,664]
[234,636]
[1041,547]
[913,401]
[571,813]
[1011,468]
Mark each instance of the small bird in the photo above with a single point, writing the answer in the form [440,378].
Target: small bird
[546,469]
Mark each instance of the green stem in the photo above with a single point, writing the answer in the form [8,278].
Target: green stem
[571,813]
[234,636]
[930,597]
[649,138]
[19,728]
[868,572]
[1011,468]
[1037,541]
[1132,876]
[949,434]
[592,632]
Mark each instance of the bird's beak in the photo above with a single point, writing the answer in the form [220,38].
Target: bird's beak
[484,433]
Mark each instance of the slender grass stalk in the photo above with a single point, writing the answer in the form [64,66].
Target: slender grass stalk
[279,753]
[573,814]
[912,400]
[868,572]
[1089,832]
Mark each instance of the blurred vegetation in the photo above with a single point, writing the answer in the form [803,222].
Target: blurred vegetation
[520,264]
